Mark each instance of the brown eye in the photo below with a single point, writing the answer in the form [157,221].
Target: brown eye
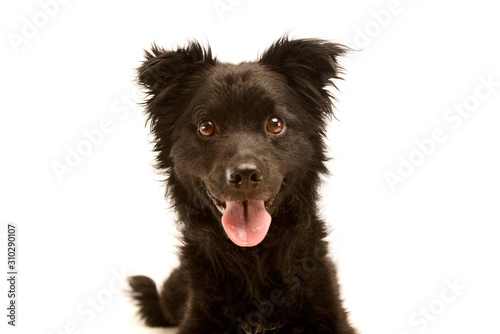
[207,128]
[275,125]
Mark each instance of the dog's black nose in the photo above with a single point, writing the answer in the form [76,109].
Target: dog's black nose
[244,176]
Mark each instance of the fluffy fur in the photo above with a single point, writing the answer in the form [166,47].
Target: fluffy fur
[286,283]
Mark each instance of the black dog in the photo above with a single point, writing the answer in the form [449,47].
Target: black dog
[242,148]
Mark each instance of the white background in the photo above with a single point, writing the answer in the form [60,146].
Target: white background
[398,250]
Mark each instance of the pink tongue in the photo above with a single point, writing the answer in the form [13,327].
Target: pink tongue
[246,223]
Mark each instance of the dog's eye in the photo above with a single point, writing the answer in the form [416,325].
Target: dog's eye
[275,125]
[207,128]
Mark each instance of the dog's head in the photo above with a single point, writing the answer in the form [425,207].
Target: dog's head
[242,140]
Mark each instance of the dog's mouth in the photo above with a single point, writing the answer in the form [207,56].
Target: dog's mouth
[246,222]
[222,206]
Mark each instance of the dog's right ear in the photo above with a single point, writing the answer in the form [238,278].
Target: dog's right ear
[170,78]
[163,68]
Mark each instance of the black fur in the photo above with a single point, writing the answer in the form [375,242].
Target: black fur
[286,283]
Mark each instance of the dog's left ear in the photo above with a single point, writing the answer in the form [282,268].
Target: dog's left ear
[309,65]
